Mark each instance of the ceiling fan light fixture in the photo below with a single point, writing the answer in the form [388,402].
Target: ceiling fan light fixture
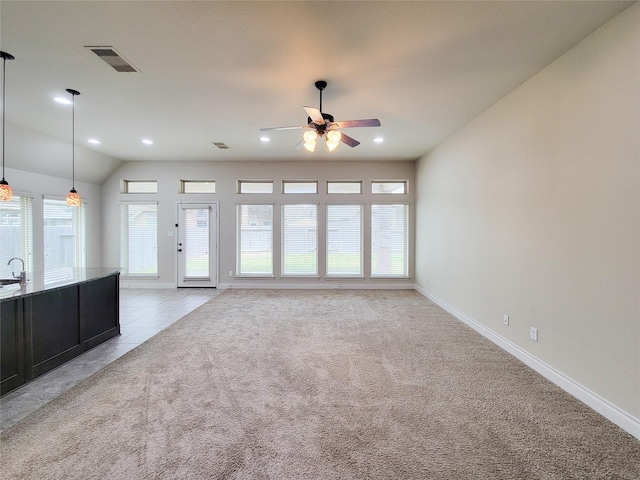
[310,137]
[333,139]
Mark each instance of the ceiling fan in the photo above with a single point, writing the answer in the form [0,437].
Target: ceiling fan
[321,124]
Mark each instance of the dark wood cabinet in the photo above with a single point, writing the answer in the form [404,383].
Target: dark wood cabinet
[43,330]
[11,345]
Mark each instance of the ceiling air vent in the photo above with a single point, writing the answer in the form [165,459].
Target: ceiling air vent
[113,59]
[221,145]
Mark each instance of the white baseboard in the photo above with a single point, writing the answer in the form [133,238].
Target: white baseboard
[150,284]
[329,285]
[608,410]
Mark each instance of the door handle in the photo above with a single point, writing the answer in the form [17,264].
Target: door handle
[179,249]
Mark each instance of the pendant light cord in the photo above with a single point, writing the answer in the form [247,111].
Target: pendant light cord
[4,66]
[73,143]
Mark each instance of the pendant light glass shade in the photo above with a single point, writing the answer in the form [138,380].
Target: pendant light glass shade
[73,199]
[6,193]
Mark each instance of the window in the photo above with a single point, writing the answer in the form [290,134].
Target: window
[397,188]
[139,186]
[253,186]
[299,240]
[389,240]
[255,240]
[197,186]
[139,239]
[344,187]
[344,240]
[63,228]
[16,231]
[291,186]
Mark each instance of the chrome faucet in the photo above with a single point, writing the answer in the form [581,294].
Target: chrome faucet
[23,275]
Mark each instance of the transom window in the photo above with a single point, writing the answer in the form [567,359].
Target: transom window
[349,187]
[397,188]
[139,186]
[295,186]
[255,186]
[197,186]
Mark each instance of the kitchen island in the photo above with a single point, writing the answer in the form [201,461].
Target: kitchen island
[47,322]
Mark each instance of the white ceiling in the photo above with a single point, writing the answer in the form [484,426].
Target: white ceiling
[219,71]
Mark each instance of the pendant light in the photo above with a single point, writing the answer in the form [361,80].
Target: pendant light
[73,199]
[5,190]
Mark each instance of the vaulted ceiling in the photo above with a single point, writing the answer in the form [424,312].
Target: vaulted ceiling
[213,71]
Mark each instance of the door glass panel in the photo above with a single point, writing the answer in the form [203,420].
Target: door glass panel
[196,243]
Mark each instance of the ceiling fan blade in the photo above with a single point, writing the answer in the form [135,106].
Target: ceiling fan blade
[352,142]
[370,122]
[296,127]
[315,115]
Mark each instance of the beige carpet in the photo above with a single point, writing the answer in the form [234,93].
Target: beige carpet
[317,385]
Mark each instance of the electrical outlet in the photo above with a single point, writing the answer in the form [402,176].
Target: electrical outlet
[426,279]
[533,333]
[336,285]
[231,273]
[505,319]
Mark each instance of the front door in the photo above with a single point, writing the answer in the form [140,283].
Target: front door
[197,245]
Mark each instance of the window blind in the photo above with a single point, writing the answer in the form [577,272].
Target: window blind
[299,240]
[254,235]
[139,239]
[344,240]
[389,240]
[16,231]
[63,229]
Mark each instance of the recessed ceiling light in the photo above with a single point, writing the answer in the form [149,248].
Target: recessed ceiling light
[265,139]
[378,139]
[64,101]
[146,141]
[94,141]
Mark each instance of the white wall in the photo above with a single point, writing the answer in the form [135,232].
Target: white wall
[226,174]
[533,210]
[37,186]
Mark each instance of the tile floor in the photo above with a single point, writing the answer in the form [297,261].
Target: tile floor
[143,313]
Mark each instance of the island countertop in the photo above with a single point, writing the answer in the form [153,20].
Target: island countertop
[37,283]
